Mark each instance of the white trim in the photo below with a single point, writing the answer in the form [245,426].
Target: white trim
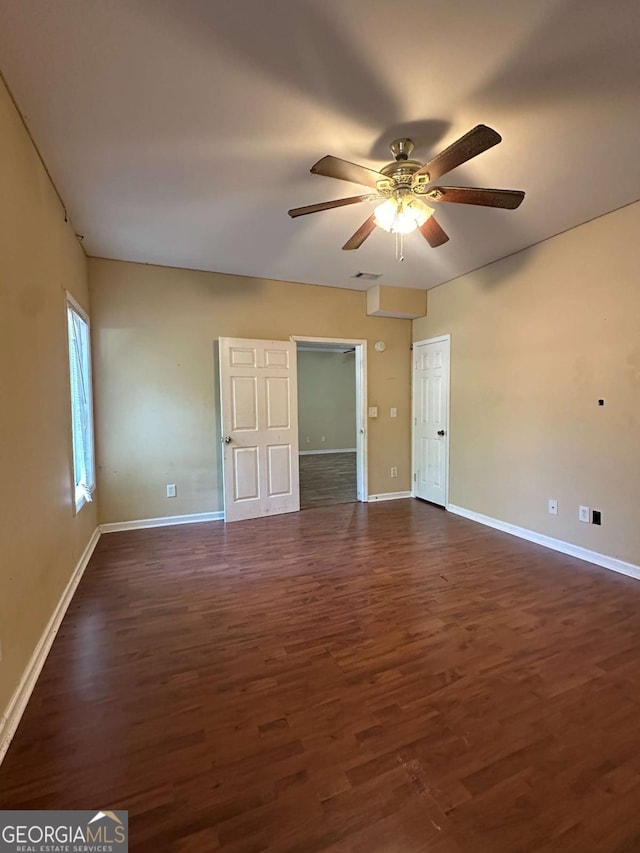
[164,521]
[585,554]
[335,349]
[12,714]
[360,345]
[323,452]
[71,302]
[306,339]
[362,413]
[438,340]
[390,496]
[77,307]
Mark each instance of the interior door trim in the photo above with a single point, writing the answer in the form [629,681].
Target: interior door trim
[362,436]
[436,340]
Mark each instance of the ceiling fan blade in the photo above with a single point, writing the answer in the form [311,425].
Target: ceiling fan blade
[334,167]
[507,199]
[433,233]
[361,234]
[328,205]
[468,146]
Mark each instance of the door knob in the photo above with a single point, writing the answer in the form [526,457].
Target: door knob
[440,432]
[226,439]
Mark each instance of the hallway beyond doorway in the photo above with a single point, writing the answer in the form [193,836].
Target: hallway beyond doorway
[327,478]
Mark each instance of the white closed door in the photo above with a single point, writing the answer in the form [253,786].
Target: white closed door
[431,419]
[258,390]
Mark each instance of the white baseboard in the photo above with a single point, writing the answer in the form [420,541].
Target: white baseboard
[390,496]
[12,715]
[603,560]
[163,521]
[322,452]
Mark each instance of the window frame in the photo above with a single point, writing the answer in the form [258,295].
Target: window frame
[80,497]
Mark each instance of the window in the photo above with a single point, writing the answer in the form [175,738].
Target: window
[81,403]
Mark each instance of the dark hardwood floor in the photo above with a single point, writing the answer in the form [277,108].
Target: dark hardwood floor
[376,679]
[327,478]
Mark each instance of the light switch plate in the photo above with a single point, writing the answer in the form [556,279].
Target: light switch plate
[373,411]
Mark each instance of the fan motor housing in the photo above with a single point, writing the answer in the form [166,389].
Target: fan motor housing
[401,170]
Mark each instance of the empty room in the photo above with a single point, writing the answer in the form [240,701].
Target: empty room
[320,381]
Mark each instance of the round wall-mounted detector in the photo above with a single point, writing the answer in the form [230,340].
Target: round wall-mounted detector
[380,346]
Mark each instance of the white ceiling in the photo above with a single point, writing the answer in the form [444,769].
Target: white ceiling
[179,132]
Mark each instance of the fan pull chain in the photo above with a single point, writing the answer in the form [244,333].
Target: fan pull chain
[399,246]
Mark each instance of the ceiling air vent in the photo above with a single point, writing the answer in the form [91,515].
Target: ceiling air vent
[368,276]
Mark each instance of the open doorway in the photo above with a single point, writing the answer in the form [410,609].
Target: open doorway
[331,422]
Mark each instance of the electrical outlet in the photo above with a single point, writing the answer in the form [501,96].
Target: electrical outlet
[171,490]
[394,472]
[323,439]
[583,514]
[394,412]
[553,506]
[596,517]
[307,440]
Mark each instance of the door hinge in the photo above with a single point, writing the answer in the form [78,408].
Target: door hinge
[414,478]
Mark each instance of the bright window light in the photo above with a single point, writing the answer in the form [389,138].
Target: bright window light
[81,403]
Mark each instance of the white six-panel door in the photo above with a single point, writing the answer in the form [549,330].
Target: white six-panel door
[431,419]
[259,401]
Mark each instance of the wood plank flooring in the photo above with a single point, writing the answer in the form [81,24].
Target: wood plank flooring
[374,679]
[327,478]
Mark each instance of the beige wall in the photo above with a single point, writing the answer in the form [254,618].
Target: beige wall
[155,374]
[386,301]
[41,538]
[326,400]
[536,340]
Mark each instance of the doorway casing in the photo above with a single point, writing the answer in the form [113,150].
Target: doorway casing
[360,347]
[430,419]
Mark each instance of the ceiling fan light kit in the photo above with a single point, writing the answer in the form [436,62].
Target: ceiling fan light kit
[402,184]
[402,213]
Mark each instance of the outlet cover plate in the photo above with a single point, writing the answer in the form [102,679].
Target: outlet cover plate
[583,514]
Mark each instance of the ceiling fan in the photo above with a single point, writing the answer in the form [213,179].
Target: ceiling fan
[402,185]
